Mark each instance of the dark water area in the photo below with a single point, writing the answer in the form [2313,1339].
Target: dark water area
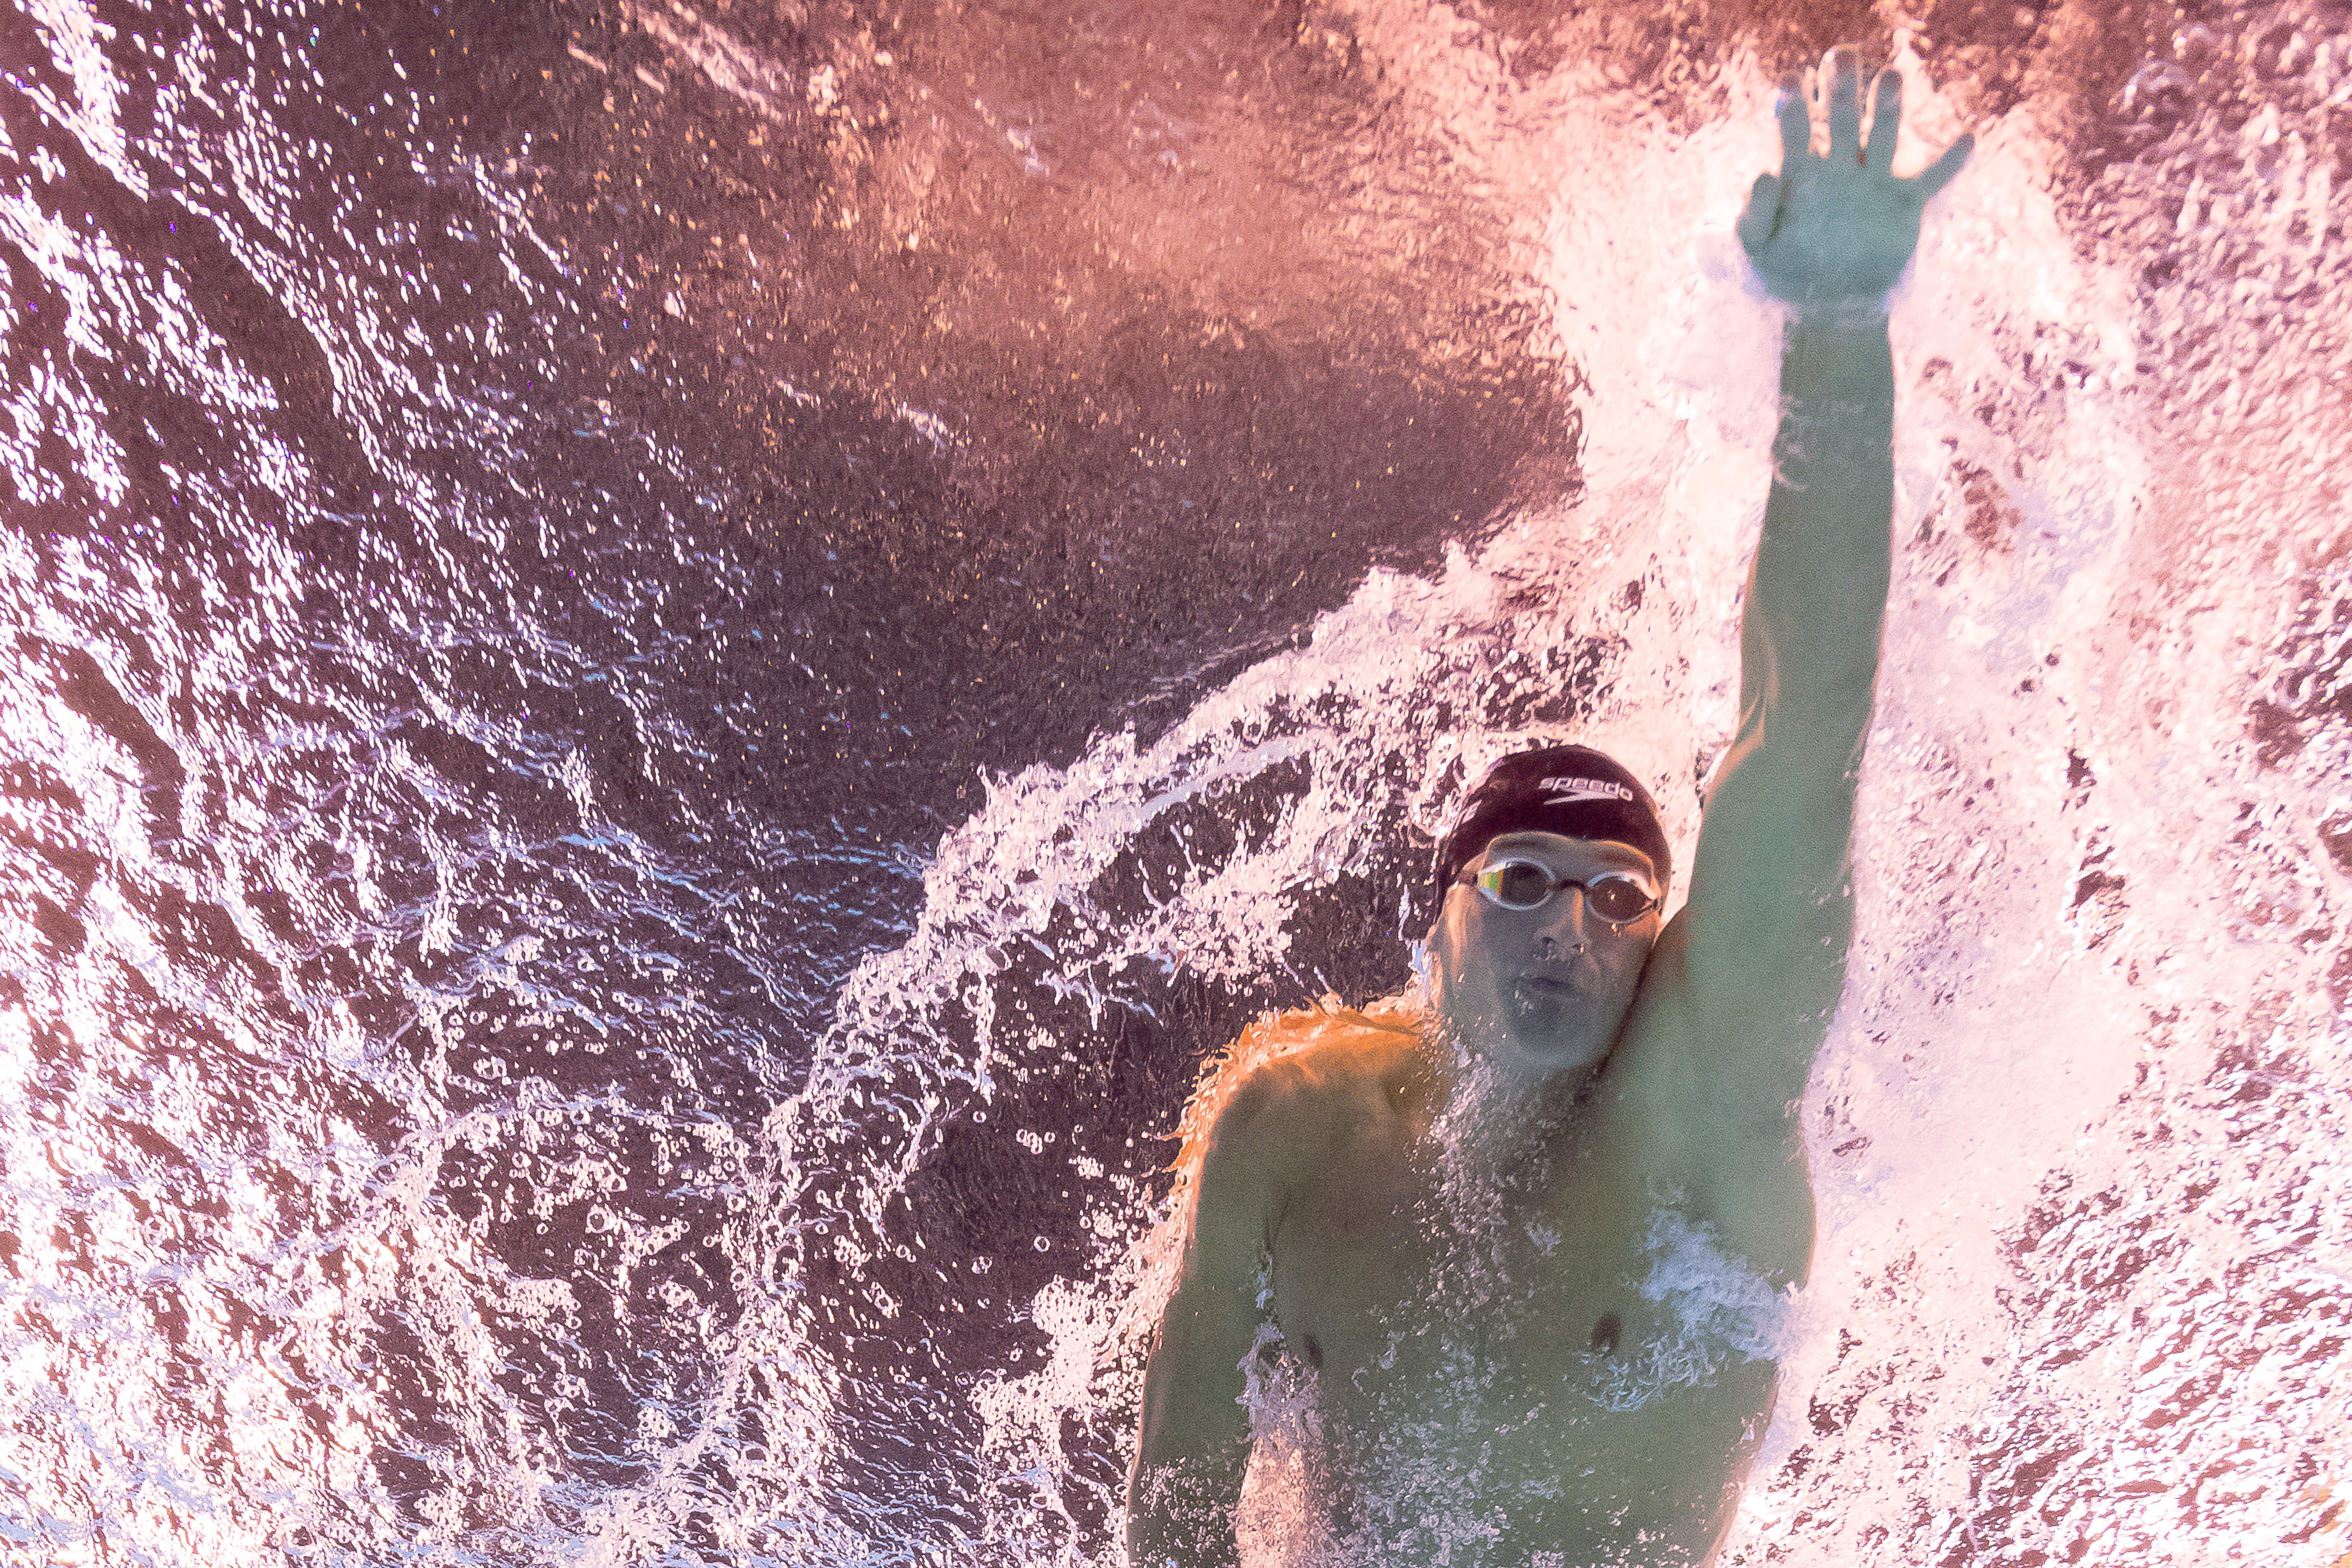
[672,391]
[528,524]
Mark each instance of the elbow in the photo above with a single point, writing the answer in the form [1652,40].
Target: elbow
[1851,683]
[1826,730]
[1843,677]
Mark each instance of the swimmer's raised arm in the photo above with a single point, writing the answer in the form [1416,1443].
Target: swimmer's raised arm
[1194,1444]
[1761,943]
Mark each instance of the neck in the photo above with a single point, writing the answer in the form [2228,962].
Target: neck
[1494,1109]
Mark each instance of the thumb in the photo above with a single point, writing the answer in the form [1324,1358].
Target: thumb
[1941,173]
[1763,213]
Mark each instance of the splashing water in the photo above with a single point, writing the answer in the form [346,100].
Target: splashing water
[452,1113]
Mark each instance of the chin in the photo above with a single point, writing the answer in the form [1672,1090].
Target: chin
[1554,1049]
[1563,1032]
[1554,1060]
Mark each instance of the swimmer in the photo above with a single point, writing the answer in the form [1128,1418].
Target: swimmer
[1515,1245]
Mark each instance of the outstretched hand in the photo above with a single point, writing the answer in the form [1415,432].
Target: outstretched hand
[1834,232]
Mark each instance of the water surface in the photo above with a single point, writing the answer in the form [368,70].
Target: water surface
[677,666]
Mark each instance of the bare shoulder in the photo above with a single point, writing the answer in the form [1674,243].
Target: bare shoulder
[1259,1126]
[1296,1083]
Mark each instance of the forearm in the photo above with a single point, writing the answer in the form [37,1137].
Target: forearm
[1191,1447]
[1818,596]
[1180,1513]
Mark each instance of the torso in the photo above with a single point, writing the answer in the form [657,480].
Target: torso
[1568,1366]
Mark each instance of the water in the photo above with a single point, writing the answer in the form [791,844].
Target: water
[677,670]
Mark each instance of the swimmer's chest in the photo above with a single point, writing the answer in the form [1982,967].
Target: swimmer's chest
[1386,1275]
[1520,1386]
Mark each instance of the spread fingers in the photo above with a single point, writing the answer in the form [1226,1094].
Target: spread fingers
[1845,105]
[1796,126]
[1763,213]
[1885,121]
[1939,174]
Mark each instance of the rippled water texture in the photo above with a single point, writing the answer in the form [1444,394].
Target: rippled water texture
[675,669]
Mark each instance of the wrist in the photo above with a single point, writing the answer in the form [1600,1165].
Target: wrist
[1837,384]
[1825,349]
[1834,317]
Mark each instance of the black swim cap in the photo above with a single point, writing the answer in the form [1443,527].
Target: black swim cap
[1573,791]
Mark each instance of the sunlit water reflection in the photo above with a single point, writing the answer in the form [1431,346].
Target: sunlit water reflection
[676,669]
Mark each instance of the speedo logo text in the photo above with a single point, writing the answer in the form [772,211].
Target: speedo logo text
[1565,791]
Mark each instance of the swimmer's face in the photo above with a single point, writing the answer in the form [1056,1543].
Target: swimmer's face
[1548,986]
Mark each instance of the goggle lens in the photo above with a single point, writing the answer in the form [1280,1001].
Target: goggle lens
[1617,898]
[1517,884]
[1525,885]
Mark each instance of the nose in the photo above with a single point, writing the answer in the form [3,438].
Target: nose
[1565,928]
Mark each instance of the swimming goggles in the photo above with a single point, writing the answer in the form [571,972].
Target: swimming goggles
[1615,897]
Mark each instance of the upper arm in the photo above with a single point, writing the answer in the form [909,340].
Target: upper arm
[1195,1429]
[1737,998]
[1744,980]
[1771,912]
[1769,916]
[1762,940]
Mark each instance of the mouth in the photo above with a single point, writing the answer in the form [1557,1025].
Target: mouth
[1548,988]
